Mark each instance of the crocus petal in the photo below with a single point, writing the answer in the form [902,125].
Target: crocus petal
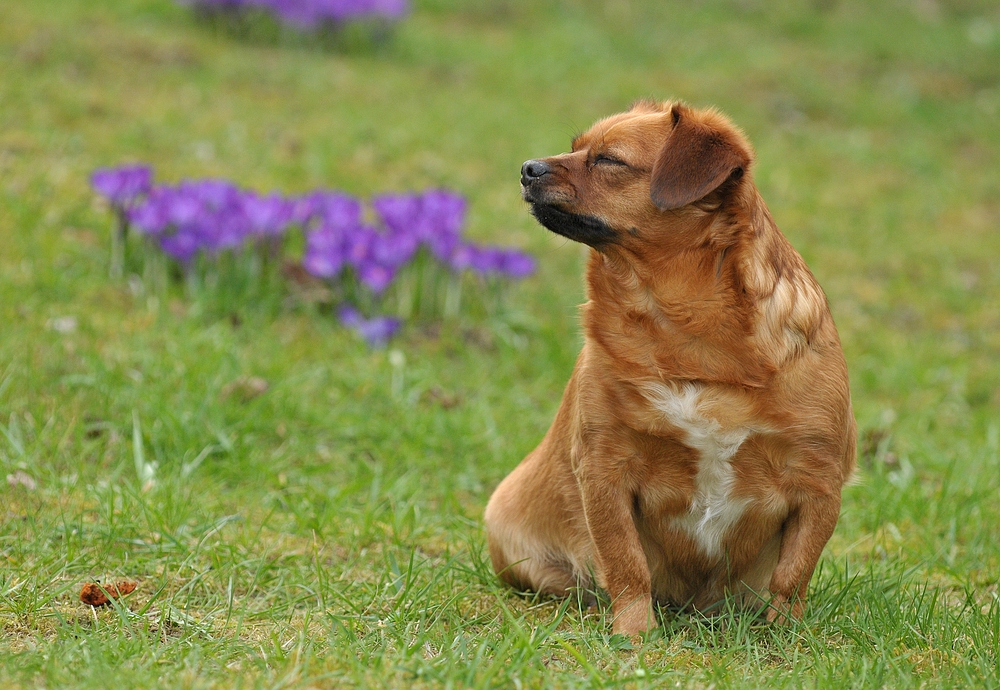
[376,276]
[517,264]
[122,186]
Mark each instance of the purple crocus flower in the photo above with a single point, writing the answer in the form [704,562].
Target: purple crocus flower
[214,194]
[209,211]
[303,209]
[152,216]
[358,245]
[517,264]
[462,256]
[396,210]
[376,331]
[447,210]
[325,252]
[267,215]
[434,219]
[339,210]
[442,216]
[122,186]
[331,208]
[223,230]
[442,246]
[182,206]
[400,214]
[393,250]
[377,277]
[485,260]
[181,245]
[326,238]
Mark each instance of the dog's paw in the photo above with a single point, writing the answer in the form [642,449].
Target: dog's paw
[783,612]
[634,618]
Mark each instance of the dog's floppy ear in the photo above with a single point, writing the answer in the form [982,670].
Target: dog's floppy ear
[694,161]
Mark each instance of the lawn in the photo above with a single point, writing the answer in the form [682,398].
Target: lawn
[327,531]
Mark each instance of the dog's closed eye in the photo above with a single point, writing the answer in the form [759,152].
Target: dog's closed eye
[605,159]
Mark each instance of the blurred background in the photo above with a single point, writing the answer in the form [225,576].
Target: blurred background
[258,458]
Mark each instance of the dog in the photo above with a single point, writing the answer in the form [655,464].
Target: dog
[706,432]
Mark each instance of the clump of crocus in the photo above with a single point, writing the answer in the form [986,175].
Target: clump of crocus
[418,250]
[309,15]
[406,258]
[210,216]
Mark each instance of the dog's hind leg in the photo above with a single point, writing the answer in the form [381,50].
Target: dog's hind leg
[527,565]
[537,537]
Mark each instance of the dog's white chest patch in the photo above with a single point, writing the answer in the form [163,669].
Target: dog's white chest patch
[713,512]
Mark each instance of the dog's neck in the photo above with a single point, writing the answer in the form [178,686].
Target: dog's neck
[732,308]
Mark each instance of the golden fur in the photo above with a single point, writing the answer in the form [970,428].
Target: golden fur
[706,432]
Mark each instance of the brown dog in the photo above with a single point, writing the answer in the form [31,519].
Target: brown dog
[706,432]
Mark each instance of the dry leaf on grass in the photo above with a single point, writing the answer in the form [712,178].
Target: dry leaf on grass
[92,593]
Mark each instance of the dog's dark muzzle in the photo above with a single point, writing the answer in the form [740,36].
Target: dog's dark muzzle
[586,229]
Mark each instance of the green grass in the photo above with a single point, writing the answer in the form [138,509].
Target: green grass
[327,532]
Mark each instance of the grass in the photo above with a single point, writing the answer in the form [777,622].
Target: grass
[327,532]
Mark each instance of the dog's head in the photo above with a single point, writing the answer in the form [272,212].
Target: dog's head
[632,177]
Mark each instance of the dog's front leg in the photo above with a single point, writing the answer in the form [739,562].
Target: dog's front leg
[622,566]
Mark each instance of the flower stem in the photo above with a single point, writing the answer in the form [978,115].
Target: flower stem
[119,234]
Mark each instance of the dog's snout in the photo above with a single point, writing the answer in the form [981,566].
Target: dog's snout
[532,170]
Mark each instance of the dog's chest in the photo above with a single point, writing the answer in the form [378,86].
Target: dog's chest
[713,511]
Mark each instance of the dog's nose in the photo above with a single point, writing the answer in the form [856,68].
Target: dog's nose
[532,170]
